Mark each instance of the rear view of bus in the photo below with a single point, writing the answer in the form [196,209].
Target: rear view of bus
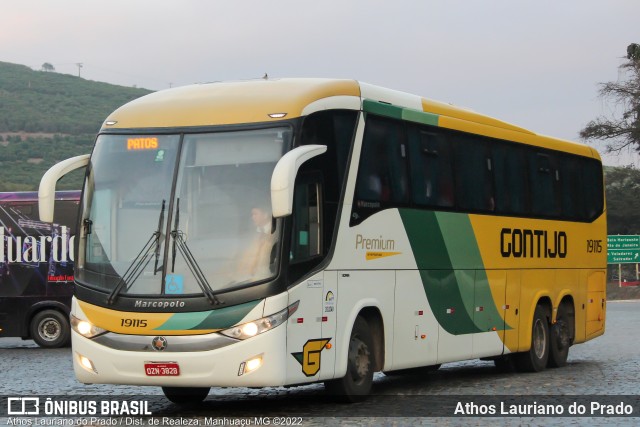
[243,234]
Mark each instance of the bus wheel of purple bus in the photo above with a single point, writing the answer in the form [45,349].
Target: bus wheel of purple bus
[50,329]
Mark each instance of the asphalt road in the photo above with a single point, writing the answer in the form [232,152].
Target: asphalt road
[606,366]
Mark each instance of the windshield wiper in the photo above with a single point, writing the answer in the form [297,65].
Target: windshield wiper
[179,242]
[159,234]
[141,261]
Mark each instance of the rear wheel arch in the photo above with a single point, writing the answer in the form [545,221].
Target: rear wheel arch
[373,317]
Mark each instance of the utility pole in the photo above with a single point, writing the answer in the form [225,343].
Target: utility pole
[79,64]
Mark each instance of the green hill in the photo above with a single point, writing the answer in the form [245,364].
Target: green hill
[46,117]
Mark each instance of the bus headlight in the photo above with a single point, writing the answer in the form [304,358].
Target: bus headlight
[85,328]
[251,329]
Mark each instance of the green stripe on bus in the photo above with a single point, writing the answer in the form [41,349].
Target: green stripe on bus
[452,271]
[400,113]
[183,321]
[213,319]
[443,285]
[382,109]
[420,117]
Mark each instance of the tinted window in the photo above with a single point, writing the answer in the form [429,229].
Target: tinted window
[431,174]
[509,164]
[382,174]
[543,179]
[473,174]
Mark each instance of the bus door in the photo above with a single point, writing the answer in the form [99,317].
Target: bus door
[305,335]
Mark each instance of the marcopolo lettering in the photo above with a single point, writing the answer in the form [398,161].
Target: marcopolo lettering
[159,304]
[523,243]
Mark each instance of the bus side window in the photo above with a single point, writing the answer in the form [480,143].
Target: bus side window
[383,180]
[544,178]
[510,179]
[382,174]
[430,161]
[573,205]
[473,174]
[306,235]
[592,185]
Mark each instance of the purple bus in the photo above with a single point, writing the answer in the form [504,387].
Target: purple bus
[36,268]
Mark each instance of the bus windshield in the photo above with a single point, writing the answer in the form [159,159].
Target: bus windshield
[180,214]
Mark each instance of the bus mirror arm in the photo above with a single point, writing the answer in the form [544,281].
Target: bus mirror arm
[47,189]
[284,177]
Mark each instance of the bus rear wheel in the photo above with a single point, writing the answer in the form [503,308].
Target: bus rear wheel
[186,395]
[535,360]
[560,337]
[356,384]
[50,329]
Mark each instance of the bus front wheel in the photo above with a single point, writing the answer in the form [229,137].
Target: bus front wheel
[50,329]
[535,360]
[186,395]
[356,384]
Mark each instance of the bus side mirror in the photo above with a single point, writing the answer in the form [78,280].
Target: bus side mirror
[284,177]
[47,189]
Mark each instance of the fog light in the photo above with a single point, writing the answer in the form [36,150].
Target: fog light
[86,363]
[250,365]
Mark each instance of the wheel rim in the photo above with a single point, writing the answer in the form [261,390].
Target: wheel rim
[49,329]
[539,339]
[359,359]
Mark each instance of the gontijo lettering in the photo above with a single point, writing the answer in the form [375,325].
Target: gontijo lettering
[519,243]
[142,144]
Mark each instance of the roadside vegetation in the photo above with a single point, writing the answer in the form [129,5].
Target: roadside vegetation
[46,117]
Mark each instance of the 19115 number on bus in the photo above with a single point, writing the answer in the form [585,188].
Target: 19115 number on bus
[594,246]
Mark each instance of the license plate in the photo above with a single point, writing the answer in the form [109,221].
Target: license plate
[161,369]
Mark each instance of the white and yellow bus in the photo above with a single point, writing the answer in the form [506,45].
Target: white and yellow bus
[280,232]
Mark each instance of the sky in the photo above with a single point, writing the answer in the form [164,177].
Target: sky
[534,63]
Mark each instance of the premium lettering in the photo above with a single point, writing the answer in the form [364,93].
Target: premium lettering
[380,243]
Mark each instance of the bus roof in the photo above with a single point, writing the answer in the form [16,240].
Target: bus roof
[266,100]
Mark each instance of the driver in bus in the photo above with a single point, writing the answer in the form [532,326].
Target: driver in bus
[256,259]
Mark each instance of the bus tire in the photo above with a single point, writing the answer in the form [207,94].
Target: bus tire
[535,360]
[186,395]
[50,329]
[560,338]
[356,384]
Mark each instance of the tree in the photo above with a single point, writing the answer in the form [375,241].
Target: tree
[623,200]
[622,131]
[47,67]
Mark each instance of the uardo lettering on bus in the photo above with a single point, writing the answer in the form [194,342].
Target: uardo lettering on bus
[19,249]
